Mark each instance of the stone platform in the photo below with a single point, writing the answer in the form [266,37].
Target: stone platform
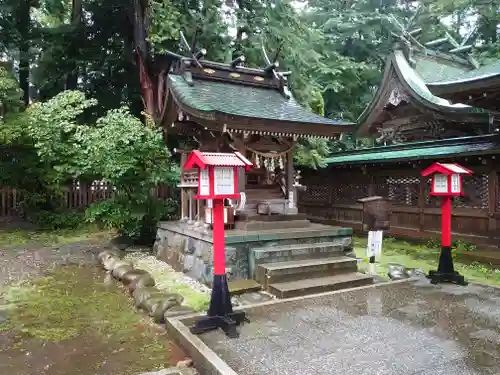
[401,328]
[189,249]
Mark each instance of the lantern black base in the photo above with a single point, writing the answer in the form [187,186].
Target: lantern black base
[446,271]
[454,278]
[220,312]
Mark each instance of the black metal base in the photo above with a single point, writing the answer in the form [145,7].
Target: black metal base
[220,312]
[227,323]
[446,272]
[437,277]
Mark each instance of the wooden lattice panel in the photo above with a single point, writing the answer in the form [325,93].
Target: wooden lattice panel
[349,193]
[316,193]
[403,190]
[475,192]
[475,189]
[380,186]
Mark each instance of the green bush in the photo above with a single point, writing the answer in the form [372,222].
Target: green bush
[136,220]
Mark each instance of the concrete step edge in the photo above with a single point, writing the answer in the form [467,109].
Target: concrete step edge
[279,248]
[323,281]
[307,263]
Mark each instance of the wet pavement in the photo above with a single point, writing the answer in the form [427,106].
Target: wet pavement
[409,328]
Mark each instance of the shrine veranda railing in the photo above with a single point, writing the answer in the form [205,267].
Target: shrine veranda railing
[331,197]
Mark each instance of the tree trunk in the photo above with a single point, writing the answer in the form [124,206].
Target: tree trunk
[23,23]
[76,21]
[152,72]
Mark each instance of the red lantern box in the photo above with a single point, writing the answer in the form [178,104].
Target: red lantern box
[446,179]
[217,173]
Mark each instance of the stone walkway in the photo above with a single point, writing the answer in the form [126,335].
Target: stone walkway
[410,328]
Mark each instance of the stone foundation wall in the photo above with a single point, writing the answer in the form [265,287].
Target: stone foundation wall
[190,250]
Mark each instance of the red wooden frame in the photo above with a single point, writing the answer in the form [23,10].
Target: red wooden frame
[210,161]
[447,169]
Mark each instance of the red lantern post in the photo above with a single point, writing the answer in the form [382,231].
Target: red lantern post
[446,183]
[218,180]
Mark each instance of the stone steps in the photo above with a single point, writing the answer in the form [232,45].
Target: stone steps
[286,253]
[279,272]
[260,224]
[319,284]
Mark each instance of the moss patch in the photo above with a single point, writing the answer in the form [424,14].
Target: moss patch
[425,257]
[73,302]
[167,279]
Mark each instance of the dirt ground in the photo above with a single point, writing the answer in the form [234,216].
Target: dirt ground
[60,314]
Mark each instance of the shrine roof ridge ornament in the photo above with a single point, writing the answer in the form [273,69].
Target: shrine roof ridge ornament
[446,63]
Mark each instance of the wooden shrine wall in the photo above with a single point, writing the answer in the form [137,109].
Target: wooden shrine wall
[331,197]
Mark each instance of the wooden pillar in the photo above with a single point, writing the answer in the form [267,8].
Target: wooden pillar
[421,203]
[371,185]
[289,177]
[492,201]
[184,195]
[239,145]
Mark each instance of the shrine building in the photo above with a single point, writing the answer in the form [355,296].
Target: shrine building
[227,107]
[435,103]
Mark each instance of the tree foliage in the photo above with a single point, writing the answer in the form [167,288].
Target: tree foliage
[95,71]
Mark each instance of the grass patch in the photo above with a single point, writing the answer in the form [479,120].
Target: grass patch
[19,237]
[72,302]
[426,257]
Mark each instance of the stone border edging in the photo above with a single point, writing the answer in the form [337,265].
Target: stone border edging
[158,304]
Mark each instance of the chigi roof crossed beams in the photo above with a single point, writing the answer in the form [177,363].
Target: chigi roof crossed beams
[232,98]
[418,98]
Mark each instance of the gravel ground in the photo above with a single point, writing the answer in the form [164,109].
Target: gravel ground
[21,263]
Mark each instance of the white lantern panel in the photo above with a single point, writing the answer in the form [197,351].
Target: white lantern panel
[455,183]
[440,183]
[209,215]
[204,182]
[223,181]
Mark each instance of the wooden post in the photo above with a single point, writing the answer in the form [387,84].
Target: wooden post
[184,197]
[492,201]
[290,191]
[239,145]
[371,185]
[421,203]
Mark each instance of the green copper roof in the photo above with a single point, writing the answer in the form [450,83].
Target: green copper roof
[485,71]
[243,101]
[397,67]
[418,86]
[432,69]
[420,150]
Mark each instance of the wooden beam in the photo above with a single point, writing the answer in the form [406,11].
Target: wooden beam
[461,49]
[436,42]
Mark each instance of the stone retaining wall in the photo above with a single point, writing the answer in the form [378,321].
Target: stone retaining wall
[190,249]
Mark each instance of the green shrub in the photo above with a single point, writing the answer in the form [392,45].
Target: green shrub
[137,220]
